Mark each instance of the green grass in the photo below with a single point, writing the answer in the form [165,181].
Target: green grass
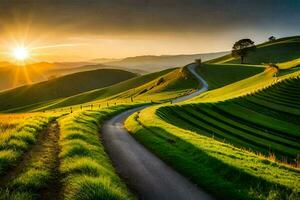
[16,141]
[89,96]
[219,75]
[240,141]
[267,121]
[61,87]
[34,178]
[85,166]
[289,64]
[250,85]
[280,50]
[220,168]
[163,85]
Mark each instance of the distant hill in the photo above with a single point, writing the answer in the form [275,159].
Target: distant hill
[150,63]
[87,67]
[12,76]
[105,60]
[62,87]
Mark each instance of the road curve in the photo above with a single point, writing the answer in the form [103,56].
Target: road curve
[203,84]
[148,176]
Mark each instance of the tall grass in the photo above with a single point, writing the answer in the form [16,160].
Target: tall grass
[85,166]
[17,139]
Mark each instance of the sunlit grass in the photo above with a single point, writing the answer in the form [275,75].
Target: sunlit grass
[159,86]
[20,133]
[247,86]
[85,165]
[226,171]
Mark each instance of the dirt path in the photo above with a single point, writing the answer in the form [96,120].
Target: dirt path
[45,149]
[50,144]
[143,172]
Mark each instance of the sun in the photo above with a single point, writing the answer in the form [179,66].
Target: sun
[20,53]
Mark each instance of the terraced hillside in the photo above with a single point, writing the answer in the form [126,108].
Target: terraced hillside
[266,122]
[240,141]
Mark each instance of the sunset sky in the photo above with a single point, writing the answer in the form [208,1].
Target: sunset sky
[78,30]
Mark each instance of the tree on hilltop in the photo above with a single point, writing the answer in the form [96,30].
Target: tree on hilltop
[241,49]
[272,38]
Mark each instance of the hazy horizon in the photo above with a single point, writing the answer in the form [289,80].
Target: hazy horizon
[83,30]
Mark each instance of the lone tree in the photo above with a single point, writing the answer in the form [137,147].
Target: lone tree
[241,48]
[272,38]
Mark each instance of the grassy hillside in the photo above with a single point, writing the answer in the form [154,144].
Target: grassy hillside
[12,75]
[219,75]
[280,50]
[57,156]
[267,122]
[157,86]
[224,170]
[239,141]
[62,87]
[261,112]
[252,84]
[84,163]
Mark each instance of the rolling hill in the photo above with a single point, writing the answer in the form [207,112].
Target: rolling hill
[12,76]
[280,50]
[64,86]
[242,148]
[219,75]
[240,140]
[158,86]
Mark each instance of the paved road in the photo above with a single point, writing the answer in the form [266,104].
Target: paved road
[203,84]
[143,172]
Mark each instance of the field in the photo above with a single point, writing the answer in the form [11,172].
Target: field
[266,122]
[58,153]
[238,141]
[61,87]
[226,171]
[85,166]
[156,86]
[17,135]
[219,75]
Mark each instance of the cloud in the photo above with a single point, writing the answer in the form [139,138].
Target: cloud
[138,17]
[119,28]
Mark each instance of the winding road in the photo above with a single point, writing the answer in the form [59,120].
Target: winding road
[148,176]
